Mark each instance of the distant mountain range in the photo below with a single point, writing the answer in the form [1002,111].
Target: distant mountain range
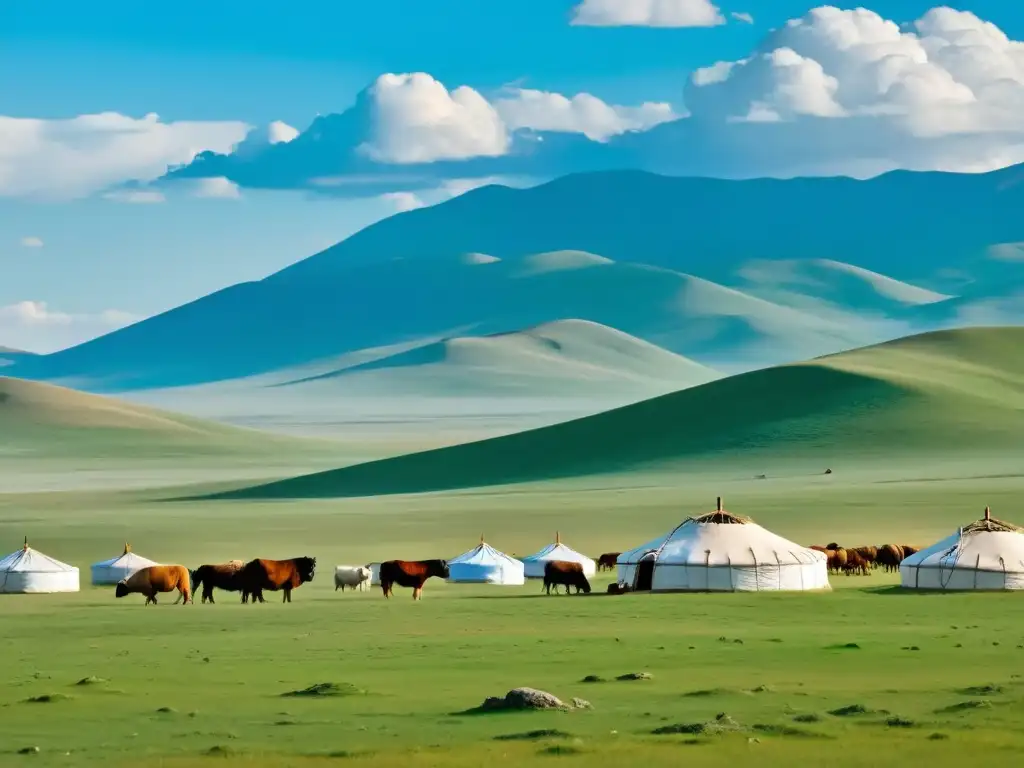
[731,274]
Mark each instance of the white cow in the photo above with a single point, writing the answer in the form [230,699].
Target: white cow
[355,576]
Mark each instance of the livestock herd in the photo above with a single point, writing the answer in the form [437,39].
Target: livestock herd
[255,577]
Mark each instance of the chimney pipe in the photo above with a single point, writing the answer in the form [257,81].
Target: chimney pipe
[988,513]
[719,503]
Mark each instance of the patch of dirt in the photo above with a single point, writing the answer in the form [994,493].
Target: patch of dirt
[981,690]
[91,681]
[47,698]
[850,711]
[966,706]
[721,724]
[542,733]
[634,676]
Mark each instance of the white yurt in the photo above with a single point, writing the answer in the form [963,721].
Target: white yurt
[721,552]
[121,567]
[988,554]
[533,565]
[485,565]
[374,574]
[29,571]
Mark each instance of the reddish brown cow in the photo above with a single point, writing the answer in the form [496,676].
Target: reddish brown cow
[606,562]
[908,550]
[855,563]
[410,573]
[566,573]
[285,575]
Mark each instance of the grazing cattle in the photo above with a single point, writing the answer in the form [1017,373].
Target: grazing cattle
[220,576]
[606,562]
[566,573]
[855,563]
[870,554]
[157,578]
[908,550]
[410,573]
[355,576]
[890,556]
[285,575]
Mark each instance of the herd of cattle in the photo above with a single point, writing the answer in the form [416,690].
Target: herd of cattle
[255,577]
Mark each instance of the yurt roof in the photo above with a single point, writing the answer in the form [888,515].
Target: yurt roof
[985,544]
[722,538]
[126,558]
[481,553]
[559,550]
[28,560]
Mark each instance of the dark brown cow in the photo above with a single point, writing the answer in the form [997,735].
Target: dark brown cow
[855,563]
[410,573]
[908,550]
[564,572]
[870,554]
[221,576]
[606,562]
[285,575]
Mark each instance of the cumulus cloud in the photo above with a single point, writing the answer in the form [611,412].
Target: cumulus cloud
[848,91]
[402,201]
[32,242]
[582,113]
[746,18]
[34,326]
[216,187]
[85,154]
[418,120]
[647,13]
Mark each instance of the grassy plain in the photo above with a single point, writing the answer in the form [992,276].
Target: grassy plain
[179,686]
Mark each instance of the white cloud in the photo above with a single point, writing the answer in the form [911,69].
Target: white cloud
[417,120]
[647,13]
[216,187]
[583,113]
[848,91]
[402,201]
[33,326]
[32,242]
[82,155]
[746,18]
[280,133]
[135,196]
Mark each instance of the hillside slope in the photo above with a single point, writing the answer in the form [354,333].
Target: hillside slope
[434,270]
[283,322]
[38,419]
[565,358]
[952,393]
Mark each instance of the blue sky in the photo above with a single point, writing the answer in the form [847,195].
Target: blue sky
[255,62]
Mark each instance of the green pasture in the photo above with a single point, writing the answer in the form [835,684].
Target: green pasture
[937,675]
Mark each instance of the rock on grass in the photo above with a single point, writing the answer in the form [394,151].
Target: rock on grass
[47,698]
[327,689]
[850,711]
[541,733]
[634,676]
[525,699]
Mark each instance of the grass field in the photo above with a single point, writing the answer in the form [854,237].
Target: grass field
[180,685]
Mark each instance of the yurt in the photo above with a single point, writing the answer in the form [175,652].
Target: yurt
[485,565]
[374,574]
[988,554]
[721,552]
[533,565]
[121,567]
[29,571]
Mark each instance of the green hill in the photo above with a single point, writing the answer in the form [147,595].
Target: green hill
[944,394]
[39,420]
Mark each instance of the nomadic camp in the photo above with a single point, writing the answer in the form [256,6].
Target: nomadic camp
[987,554]
[485,565]
[720,551]
[28,571]
[533,565]
[116,568]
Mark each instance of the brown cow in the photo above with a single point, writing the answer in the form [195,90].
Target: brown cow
[836,560]
[410,573]
[870,554]
[908,550]
[152,579]
[606,562]
[890,556]
[222,576]
[855,563]
[285,575]
[567,573]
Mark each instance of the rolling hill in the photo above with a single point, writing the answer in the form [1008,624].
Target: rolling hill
[280,322]
[565,358]
[38,420]
[955,393]
[498,259]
